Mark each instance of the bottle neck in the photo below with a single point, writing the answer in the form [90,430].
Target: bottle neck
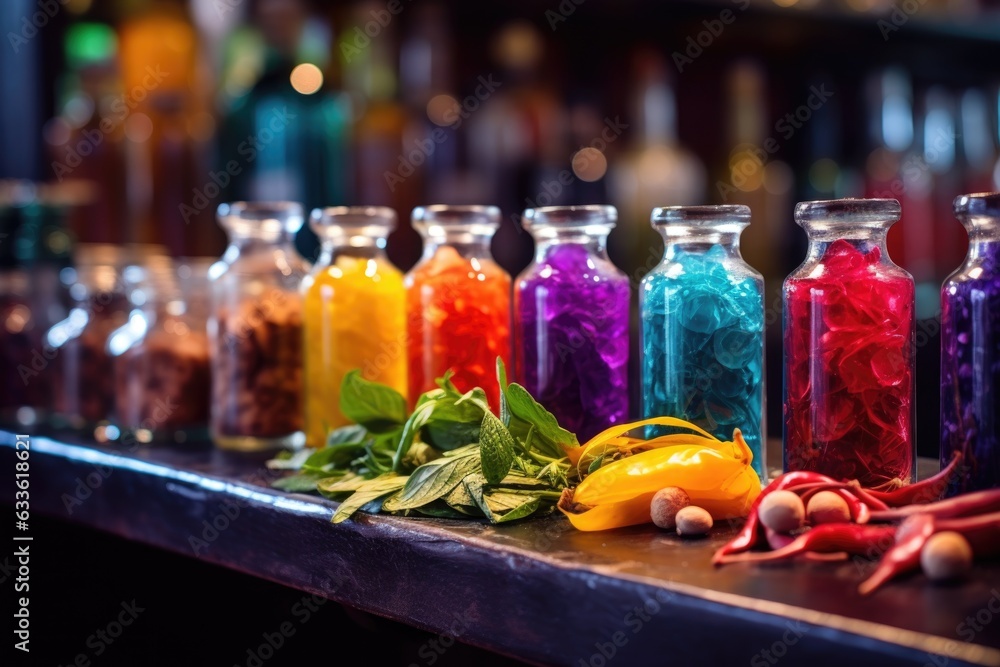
[547,241]
[679,240]
[241,244]
[819,245]
[358,247]
[466,244]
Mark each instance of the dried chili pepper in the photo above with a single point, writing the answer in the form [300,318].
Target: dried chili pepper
[924,491]
[982,532]
[977,502]
[904,556]
[749,535]
[825,539]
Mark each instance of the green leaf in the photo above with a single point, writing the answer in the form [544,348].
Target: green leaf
[595,464]
[374,406]
[502,381]
[531,413]
[372,490]
[441,510]
[525,506]
[349,433]
[496,447]
[463,451]
[499,506]
[455,420]
[432,481]
[412,426]
[337,487]
[333,456]
[446,384]
[288,460]
[303,483]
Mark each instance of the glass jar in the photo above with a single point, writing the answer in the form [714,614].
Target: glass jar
[702,312]
[970,350]
[354,313]
[162,377]
[848,344]
[255,328]
[84,390]
[458,301]
[32,299]
[571,319]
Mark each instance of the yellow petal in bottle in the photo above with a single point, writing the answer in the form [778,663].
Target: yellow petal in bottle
[354,313]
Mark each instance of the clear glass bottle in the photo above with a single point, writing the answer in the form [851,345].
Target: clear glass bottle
[354,312]
[255,328]
[970,350]
[458,301]
[571,319]
[162,376]
[84,390]
[848,347]
[702,312]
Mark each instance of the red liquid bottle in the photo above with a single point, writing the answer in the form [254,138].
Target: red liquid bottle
[848,339]
[458,301]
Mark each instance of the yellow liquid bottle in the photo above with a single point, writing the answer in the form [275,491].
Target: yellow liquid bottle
[354,313]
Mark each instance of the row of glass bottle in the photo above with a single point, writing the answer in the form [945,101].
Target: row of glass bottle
[567,317]
[848,328]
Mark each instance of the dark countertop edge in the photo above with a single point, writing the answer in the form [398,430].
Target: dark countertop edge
[877,637]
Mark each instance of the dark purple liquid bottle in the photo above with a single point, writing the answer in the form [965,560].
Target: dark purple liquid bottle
[571,320]
[970,350]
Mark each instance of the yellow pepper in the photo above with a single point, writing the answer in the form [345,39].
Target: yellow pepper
[716,475]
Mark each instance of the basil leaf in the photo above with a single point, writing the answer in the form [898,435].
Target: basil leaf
[432,481]
[502,381]
[336,487]
[287,460]
[440,510]
[497,506]
[455,420]
[303,483]
[374,406]
[496,446]
[370,491]
[447,385]
[417,420]
[349,433]
[526,505]
[531,413]
[334,456]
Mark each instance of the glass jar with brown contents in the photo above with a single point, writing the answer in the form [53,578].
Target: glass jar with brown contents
[255,328]
[162,375]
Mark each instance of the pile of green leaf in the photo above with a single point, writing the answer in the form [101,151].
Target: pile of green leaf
[451,457]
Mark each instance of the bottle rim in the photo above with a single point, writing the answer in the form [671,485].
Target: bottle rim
[447,215]
[334,219]
[849,211]
[707,216]
[571,216]
[979,204]
[268,216]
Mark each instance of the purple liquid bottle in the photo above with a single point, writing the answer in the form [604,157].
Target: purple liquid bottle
[970,350]
[571,319]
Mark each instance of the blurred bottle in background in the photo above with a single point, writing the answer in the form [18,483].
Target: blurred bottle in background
[897,169]
[85,140]
[287,138]
[654,170]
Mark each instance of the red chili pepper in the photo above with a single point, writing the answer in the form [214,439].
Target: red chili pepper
[825,539]
[924,491]
[982,532]
[904,556]
[749,535]
[976,502]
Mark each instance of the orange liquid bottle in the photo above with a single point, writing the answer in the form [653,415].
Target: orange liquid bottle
[458,301]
